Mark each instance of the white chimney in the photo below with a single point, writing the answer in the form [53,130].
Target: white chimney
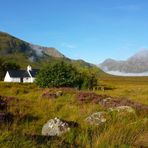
[29,68]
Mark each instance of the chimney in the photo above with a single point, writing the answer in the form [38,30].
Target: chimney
[29,68]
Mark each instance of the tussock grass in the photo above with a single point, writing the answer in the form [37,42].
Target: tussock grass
[31,110]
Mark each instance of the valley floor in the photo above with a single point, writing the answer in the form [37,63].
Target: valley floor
[31,109]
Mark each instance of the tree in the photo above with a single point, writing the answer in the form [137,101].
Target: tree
[4,66]
[59,74]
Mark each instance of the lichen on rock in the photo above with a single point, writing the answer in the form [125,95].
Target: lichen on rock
[55,127]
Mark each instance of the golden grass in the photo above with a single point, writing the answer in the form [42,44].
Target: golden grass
[134,88]
[32,110]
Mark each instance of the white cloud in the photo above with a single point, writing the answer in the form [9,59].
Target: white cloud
[118,73]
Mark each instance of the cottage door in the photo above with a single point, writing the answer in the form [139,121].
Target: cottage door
[21,79]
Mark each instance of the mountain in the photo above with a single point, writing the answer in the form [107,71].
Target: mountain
[11,45]
[23,53]
[136,64]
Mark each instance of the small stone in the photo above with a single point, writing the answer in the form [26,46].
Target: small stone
[107,99]
[59,93]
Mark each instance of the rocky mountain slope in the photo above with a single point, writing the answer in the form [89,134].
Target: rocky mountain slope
[12,45]
[138,63]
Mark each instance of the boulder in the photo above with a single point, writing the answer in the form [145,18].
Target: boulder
[98,118]
[55,127]
[122,109]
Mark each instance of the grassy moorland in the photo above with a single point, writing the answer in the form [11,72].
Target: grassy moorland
[135,88]
[31,110]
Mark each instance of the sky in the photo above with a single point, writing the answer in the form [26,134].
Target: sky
[92,30]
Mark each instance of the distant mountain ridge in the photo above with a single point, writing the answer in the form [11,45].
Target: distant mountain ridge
[138,63]
[10,45]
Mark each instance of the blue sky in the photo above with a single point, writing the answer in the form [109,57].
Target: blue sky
[92,30]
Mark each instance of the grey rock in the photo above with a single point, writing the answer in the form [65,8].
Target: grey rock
[98,118]
[55,127]
[50,51]
[102,117]
[122,109]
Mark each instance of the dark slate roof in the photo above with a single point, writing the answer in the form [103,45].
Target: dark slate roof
[34,72]
[18,73]
[25,74]
[22,73]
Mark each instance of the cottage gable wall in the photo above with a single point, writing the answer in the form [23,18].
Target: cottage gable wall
[9,79]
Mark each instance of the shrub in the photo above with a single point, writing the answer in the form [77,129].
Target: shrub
[4,66]
[59,74]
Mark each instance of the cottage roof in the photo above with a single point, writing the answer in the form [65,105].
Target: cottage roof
[34,72]
[22,73]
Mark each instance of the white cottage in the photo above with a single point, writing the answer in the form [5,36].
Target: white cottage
[24,76]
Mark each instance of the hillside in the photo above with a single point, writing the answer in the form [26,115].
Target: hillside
[23,53]
[12,45]
[138,63]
